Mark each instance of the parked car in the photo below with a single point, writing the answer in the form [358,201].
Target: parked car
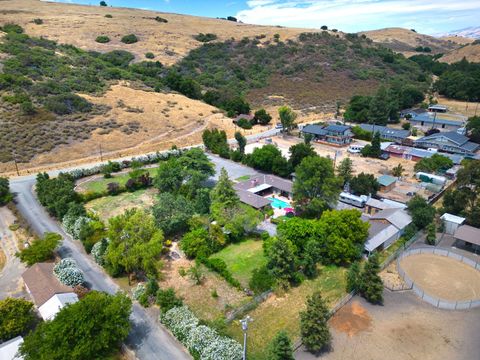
[355,149]
[384,156]
[279,126]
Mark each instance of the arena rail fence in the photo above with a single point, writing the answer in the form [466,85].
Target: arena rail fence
[438,302]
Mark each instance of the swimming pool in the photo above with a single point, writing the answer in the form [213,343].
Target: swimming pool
[279,204]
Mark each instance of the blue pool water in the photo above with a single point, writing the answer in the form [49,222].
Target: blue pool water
[279,204]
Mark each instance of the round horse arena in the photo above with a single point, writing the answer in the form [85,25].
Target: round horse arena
[443,277]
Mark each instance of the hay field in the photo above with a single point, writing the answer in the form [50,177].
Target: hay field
[79,25]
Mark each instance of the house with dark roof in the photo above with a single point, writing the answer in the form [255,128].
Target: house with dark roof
[397,135]
[332,134]
[451,142]
[255,191]
[49,295]
[386,227]
[427,120]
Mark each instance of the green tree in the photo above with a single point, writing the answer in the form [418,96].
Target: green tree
[262,117]
[135,244]
[103,3]
[378,112]
[364,184]
[316,188]
[422,213]
[435,163]
[261,280]
[16,317]
[241,140]
[196,274]
[473,127]
[224,198]
[196,243]
[216,141]
[314,324]
[358,109]
[56,194]
[300,151]
[345,169]
[287,118]
[172,212]
[40,250]
[354,277]
[92,328]
[169,176]
[431,234]
[371,283]
[281,347]
[269,158]
[281,261]
[167,299]
[5,195]
[398,170]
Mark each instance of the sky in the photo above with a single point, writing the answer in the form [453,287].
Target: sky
[425,16]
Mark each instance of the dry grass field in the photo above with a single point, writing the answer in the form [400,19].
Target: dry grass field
[79,25]
[405,41]
[470,52]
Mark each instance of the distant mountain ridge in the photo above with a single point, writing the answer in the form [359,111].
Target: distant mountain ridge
[469,32]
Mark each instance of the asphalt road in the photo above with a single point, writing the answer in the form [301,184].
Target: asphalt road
[148,339]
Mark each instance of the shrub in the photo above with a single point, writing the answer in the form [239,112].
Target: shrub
[67,104]
[261,280]
[244,123]
[161,20]
[202,341]
[38,21]
[220,267]
[12,28]
[40,250]
[98,251]
[205,37]
[102,39]
[109,16]
[129,39]
[68,273]
[149,55]
[167,299]
[5,194]
[118,57]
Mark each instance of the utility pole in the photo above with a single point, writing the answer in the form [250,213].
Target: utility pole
[244,323]
[16,166]
[101,154]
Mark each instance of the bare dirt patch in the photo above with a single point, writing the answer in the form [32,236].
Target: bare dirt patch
[443,277]
[352,319]
[199,297]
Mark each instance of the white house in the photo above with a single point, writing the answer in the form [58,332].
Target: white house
[56,303]
[451,222]
[9,349]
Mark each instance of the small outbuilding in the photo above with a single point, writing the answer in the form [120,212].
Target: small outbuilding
[451,222]
[386,182]
[469,235]
[9,349]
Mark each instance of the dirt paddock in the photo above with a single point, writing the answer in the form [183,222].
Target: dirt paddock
[443,277]
[405,327]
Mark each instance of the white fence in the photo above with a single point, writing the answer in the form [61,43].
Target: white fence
[437,302]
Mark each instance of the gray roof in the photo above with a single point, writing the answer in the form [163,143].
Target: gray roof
[252,199]
[386,131]
[438,120]
[468,233]
[315,130]
[459,140]
[397,217]
[382,233]
[337,128]
[378,204]
[274,181]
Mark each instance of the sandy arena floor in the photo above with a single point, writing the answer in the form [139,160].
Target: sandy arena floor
[403,328]
[443,277]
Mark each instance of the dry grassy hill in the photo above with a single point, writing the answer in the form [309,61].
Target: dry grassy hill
[471,52]
[79,25]
[405,41]
[458,39]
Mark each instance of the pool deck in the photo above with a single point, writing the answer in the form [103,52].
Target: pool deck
[276,211]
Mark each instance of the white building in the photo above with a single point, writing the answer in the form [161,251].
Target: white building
[56,303]
[9,349]
[451,222]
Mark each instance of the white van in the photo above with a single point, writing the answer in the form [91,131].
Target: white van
[355,149]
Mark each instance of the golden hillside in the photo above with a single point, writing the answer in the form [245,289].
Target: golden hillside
[471,52]
[458,39]
[79,25]
[405,41]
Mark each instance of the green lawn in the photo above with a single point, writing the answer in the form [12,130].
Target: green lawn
[243,258]
[243,178]
[282,313]
[100,184]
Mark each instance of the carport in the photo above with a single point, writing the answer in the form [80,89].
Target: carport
[469,237]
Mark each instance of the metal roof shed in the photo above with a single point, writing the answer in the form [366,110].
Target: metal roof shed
[452,222]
